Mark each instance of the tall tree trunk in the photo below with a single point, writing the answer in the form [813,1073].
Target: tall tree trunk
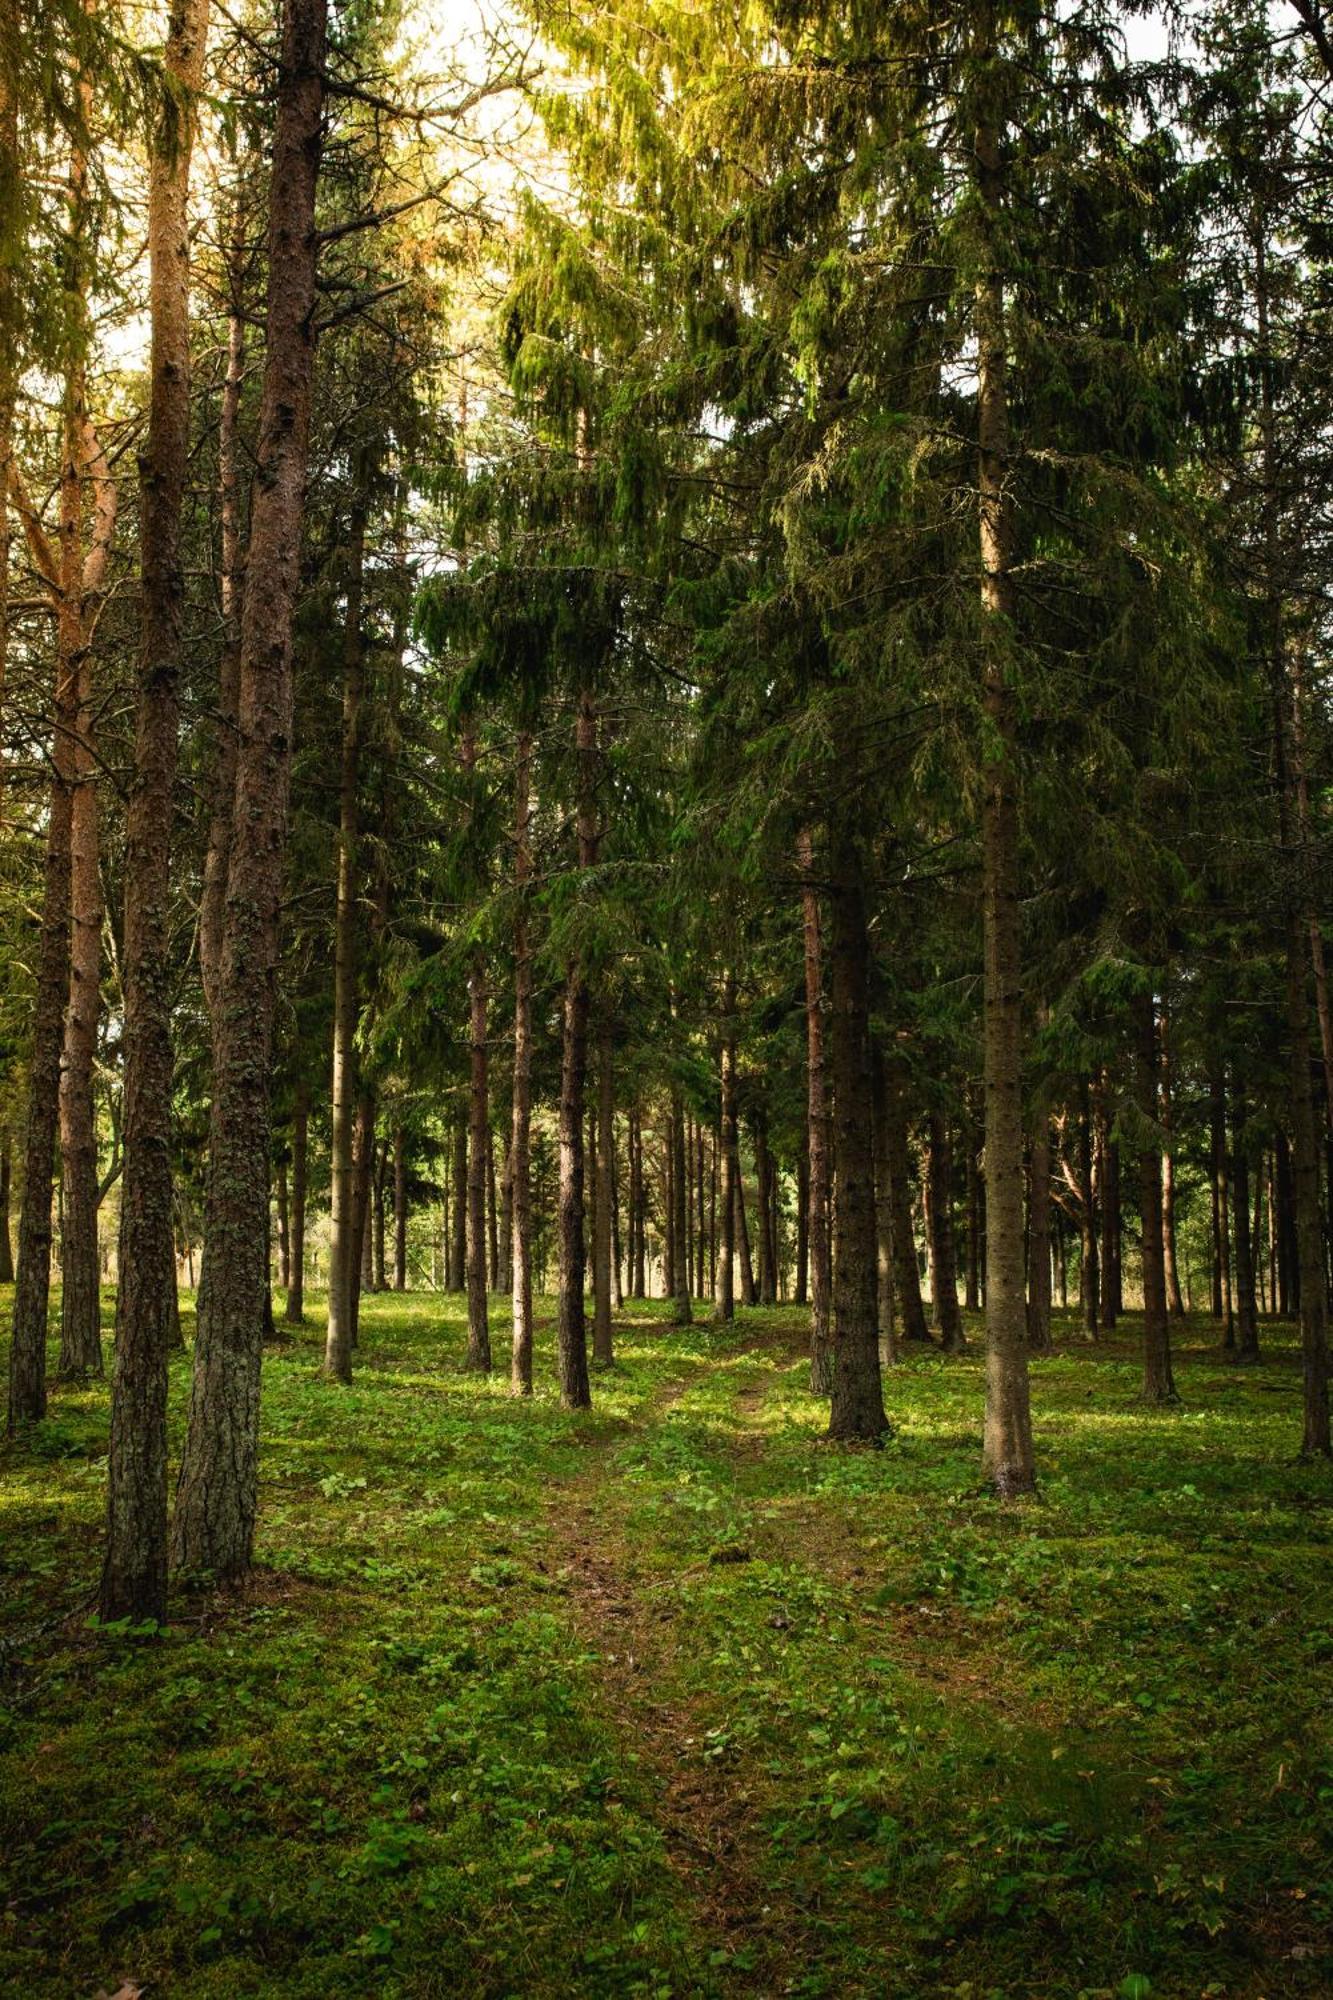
[817,1129]
[1039,1226]
[478,1320]
[399,1209]
[728,1165]
[1008,1428]
[1108,1156]
[520,1153]
[74,581]
[1218,1167]
[284,1226]
[749,1290]
[801,1292]
[617,1287]
[1174,1301]
[1158,1381]
[381,1170]
[571,1331]
[888,1346]
[943,1260]
[295,1311]
[216,1496]
[342,1149]
[492,1217]
[80,1293]
[1285,1226]
[682,1310]
[1089,1271]
[602,1350]
[638,1287]
[906,1271]
[763,1168]
[134,1570]
[972,1282]
[457,1279]
[361,1273]
[1247,1319]
[856,1410]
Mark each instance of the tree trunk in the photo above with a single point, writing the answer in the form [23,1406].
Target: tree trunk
[682,1309]
[1219,1175]
[492,1218]
[906,1271]
[1285,1226]
[943,1260]
[638,1287]
[1158,1381]
[457,1274]
[1039,1227]
[817,1130]
[339,1336]
[399,1209]
[217,1492]
[763,1167]
[1008,1427]
[1089,1272]
[80,1293]
[1108,1155]
[1174,1301]
[617,1287]
[972,1283]
[725,1298]
[571,1332]
[361,1276]
[801,1293]
[520,1154]
[381,1169]
[749,1290]
[134,1570]
[856,1410]
[295,1311]
[478,1320]
[602,1349]
[888,1347]
[1247,1319]
[284,1227]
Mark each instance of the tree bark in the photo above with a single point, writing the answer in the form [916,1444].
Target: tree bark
[399,1209]
[817,1129]
[134,1571]
[944,1268]
[1174,1301]
[1039,1227]
[907,1273]
[1007,1447]
[888,1346]
[284,1226]
[638,1287]
[457,1276]
[1158,1382]
[725,1298]
[80,1276]
[6,1172]
[603,1353]
[520,1158]
[339,1336]
[1219,1176]
[478,1319]
[856,1409]
[571,1331]
[682,1309]
[763,1167]
[1089,1271]
[216,1496]
[295,1311]
[749,1290]
[1247,1318]
[801,1291]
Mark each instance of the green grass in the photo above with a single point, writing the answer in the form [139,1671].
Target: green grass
[674,1700]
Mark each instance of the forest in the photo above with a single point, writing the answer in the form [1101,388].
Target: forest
[666,1063]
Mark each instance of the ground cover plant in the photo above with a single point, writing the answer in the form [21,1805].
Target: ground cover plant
[670,1698]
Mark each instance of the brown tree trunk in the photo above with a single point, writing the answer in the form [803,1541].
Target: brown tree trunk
[361,1277]
[1284,1226]
[216,1496]
[749,1290]
[944,1268]
[1039,1227]
[972,1281]
[457,1274]
[1158,1382]
[492,1217]
[682,1309]
[638,1286]
[478,1321]
[295,1311]
[520,1145]
[399,1209]
[1174,1301]
[1247,1318]
[1089,1272]
[284,1225]
[339,1335]
[602,1348]
[906,1271]
[381,1170]
[763,1167]
[1008,1427]
[80,1293]
[856,1409]
[134,1571]
[1108,1156]
[1222,1297]
[725,1298]
[817,1130]
[888,1346]
[801,1292]
[571,1330]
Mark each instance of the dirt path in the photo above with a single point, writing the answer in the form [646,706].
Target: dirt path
[706,1810]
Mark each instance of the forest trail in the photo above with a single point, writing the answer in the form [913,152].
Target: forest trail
[706,1806]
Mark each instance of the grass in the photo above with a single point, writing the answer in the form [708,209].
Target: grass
[674,1700]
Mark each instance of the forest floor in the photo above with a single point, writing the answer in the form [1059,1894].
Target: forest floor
[673,1700]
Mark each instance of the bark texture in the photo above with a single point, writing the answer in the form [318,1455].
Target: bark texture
[214,1522]
[820,1266]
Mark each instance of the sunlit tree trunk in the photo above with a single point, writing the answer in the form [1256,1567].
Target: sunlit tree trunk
[295,1310]
[1158,1381]
[725,1297]
[817,1134]
[520,1163]
[216,1497]
[571,1331]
